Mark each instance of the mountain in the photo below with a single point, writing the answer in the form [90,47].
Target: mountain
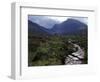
[36,29]
[69,27]
[43,21]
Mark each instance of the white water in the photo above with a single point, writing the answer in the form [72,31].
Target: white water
[75,57]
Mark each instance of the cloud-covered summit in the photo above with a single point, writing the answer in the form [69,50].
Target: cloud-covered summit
[49,21]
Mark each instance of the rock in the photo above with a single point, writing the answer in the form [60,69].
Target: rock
[75,57]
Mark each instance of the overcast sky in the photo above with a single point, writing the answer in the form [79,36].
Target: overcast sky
[50,21]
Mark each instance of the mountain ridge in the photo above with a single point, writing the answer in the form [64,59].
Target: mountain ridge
[68,27]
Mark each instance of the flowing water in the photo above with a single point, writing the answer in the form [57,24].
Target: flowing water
[75,57]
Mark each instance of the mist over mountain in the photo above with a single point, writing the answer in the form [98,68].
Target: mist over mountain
[57,40]
[67,27]
[43,21]
[35,29]
[70,26]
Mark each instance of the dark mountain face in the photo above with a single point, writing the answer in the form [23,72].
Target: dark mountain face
[43,21]
[68,27]
[36,29]
[71,26]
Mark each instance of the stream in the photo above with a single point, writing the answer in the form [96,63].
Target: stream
[75,57]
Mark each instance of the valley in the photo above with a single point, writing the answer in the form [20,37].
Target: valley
[63,44]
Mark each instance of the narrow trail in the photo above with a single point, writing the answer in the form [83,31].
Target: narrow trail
[75,57]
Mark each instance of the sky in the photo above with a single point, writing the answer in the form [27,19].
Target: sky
[50,21]
[59,19]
